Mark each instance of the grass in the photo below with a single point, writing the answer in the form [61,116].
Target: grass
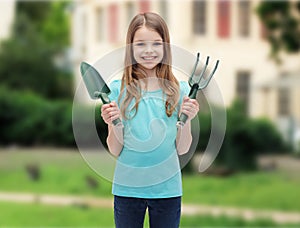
[62,172]
[36,215]
[65,172]
[29,215]
[252,190]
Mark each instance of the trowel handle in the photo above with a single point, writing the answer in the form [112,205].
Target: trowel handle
[183,117]
[105,100]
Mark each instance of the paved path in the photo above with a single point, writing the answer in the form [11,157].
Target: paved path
[187,209]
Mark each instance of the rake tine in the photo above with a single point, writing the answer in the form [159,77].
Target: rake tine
[191,82]
[203,70]
[204,85]
[195,86]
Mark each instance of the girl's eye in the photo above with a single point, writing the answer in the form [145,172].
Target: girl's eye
[140,44]
[157,43]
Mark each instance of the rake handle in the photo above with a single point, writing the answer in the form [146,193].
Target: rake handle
[105,100]
[183,117]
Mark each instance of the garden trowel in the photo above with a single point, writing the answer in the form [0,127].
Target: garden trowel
[96,86]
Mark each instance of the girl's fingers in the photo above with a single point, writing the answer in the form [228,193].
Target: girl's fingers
[190,107]
[110,112]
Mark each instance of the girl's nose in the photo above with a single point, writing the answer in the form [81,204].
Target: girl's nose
[149,48]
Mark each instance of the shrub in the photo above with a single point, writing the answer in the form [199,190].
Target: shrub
[245,138]
[28,119]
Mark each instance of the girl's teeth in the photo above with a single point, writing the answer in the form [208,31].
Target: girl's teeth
[148,58]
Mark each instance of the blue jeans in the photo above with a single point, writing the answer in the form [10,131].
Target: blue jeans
[163,213]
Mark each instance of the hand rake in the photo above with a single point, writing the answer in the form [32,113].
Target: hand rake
[197,83]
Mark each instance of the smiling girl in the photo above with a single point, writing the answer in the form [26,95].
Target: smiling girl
[149,100]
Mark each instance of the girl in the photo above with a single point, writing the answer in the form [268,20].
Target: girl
[148,99]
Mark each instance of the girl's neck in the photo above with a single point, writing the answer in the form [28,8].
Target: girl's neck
[150,84]
[150,73]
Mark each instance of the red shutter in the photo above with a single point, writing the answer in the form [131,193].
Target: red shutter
[144,6]
[113,23]
[223,18]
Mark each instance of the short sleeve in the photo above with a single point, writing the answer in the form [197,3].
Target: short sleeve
[115,87]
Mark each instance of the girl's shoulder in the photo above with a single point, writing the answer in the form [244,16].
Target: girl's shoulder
[115,84]
[115,88]
[184,87]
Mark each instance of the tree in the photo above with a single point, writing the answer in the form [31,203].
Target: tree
[281,19]
[27,59]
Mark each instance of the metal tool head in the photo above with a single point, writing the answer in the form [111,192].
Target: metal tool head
[93,81]
[200,79]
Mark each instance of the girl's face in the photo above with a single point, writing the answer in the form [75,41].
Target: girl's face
[148,48]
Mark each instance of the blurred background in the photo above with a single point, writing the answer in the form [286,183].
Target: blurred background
[255,179]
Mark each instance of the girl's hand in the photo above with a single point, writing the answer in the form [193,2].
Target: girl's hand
[110,112]
[190,107]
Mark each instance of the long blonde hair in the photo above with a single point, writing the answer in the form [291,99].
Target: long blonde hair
[131,86]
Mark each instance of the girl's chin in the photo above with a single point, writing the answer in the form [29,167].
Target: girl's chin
[148,66]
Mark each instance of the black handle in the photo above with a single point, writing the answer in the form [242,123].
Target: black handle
[183,117]
[105,100]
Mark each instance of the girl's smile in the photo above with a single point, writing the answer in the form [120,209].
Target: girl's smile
[147,48]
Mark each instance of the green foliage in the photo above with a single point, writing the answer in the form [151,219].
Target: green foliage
[27,119]
[205,130]
[49,19]
[27,59]
[101,126]
[56,27]
[266,137]
[244,139]
[36,10]
[281,21]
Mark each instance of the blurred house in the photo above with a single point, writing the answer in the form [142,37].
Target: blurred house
[7,12]
[227,30]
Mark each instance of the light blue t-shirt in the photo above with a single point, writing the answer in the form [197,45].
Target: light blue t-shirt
[148,165]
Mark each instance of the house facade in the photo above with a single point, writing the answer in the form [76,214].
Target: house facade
[7,12]
[227,30]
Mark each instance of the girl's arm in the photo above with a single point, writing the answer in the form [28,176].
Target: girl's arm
[190,107]
[115,140]
[110,112]
[184,138]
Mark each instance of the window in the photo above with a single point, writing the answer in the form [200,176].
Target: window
[199,17]
[284,100]
[243,18]
[99,25]
[113,22]
[144,6]
[243,87]
[223,18]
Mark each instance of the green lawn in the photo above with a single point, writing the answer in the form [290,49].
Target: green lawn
[61,171]
[274,190]
[65,172]
[31,215]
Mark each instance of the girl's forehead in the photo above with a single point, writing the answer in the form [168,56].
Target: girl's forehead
[146,34]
